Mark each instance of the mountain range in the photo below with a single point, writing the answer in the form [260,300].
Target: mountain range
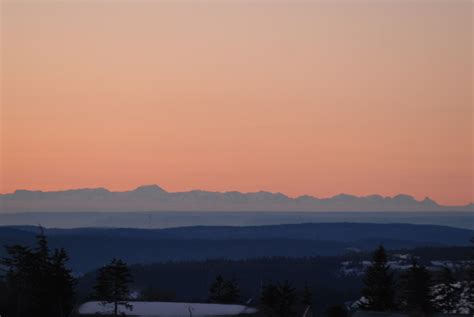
[155,198]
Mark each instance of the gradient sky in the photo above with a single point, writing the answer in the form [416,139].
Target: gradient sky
[298,97]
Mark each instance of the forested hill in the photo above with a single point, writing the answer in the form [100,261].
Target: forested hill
[90,248]
[343,232]
[332,279]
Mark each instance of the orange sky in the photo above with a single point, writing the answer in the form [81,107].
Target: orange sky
[298,97]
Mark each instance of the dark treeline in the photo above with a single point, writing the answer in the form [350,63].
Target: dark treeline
[89,248]
[190,281]
[36,281]
[414,290]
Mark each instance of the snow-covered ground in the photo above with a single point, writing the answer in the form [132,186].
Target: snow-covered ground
[461,302]
[398,262]
[168,309]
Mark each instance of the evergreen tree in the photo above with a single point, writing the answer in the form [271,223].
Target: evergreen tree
[446,292]
[4,304]
[286,297]
[224,291]
[470,279]
[379,285]
[63,283]
[470,266]
[37,283]
[278,300]
[269,299]
[307,299]
[19,267]
[416,290]
[112,285]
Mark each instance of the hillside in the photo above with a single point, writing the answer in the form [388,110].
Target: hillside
[89,248]
[326,276]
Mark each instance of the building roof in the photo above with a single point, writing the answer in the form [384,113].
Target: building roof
[168,309]
[362,313]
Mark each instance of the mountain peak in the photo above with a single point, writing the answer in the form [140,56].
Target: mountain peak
[429,201]
[344,196]
[153,188]
[404,198]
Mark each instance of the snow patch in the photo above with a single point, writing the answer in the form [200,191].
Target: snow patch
[168,309]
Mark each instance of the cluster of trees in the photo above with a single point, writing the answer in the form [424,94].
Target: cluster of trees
[36,281]
[224,291]
[384,290]
[412,290]
[276,299]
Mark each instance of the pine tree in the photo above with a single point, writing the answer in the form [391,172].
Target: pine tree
[19,265]
[64,283]
[40,277]
[446,293]
[307,296]
[278,300]
[36,282]
[112,285]
[470,279]
[416,289]
[379,285]
[470,267]
[286,298]
[269,299]
[224,291]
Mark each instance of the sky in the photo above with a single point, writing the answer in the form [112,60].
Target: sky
[299,97]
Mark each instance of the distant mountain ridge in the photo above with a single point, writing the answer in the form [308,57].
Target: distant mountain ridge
[155,198]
